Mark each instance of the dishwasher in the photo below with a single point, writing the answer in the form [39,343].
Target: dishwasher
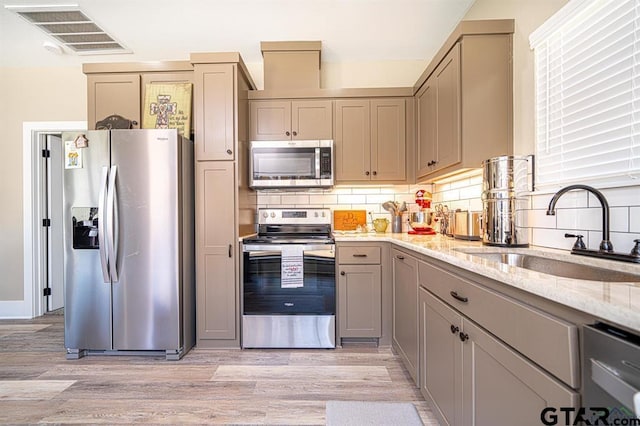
[611,372]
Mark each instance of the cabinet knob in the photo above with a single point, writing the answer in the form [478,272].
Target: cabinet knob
[342,273]
[454,329]
[287,133]
[295,133]
[229,152]
[375,173]
[463,336]
[366,173]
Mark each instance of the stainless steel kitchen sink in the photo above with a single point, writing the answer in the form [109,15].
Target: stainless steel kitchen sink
[556,267]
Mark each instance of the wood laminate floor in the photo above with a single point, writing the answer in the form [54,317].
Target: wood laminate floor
[39,385]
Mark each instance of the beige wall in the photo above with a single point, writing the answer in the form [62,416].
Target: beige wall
[28,94]
[59,94]
[529,15]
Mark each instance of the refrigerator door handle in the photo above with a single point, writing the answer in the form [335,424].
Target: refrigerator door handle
[102,218]
[112,224]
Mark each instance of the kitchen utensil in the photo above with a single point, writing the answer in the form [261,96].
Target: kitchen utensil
[380,225]
[390,207]
[403,207]
[396,224]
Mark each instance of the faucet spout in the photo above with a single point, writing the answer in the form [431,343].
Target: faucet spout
[605,244]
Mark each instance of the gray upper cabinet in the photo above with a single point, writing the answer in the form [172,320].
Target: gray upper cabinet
[465,105]
[370,140]
[291,120]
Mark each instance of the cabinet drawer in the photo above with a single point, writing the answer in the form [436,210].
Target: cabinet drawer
[547,340]
[361,255]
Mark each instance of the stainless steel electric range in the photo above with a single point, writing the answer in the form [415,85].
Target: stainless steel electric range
[289,284]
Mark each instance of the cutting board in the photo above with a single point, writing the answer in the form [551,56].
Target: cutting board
[348,220]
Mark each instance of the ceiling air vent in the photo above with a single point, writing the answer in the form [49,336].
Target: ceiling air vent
[72,28]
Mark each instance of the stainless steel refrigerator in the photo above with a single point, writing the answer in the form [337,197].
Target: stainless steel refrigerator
[129,273]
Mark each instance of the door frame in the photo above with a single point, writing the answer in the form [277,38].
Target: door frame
[34,303]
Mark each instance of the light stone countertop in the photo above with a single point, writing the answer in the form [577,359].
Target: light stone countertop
[614,302]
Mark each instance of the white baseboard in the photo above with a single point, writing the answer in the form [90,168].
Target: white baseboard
[15,309]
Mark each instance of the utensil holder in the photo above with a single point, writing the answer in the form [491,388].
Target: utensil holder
[396,224]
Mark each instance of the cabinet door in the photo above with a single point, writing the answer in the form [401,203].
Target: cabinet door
[352,140]
[215,250]
[214,104]
[110,94]
[360,301]
[405,310]
[311,120]
[448,109]
[427,127]
[504,388]
[388,139]
[270,120]
[441,358]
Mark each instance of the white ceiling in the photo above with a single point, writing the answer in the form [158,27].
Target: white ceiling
[350,30]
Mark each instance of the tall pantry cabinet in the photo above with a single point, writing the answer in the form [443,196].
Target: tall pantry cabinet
[225,207]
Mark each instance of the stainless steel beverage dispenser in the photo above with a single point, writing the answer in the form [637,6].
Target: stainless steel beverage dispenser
[505,203]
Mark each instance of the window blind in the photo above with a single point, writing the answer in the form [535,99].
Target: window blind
[587,65]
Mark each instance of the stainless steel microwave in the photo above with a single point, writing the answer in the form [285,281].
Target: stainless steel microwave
[291,164]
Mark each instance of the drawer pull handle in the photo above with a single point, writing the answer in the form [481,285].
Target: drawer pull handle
[454,329]
[342,273]
[400,257]
[463,337]
[456,296]
[359,255]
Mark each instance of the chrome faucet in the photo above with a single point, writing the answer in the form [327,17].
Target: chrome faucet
[606,248]
[605,244]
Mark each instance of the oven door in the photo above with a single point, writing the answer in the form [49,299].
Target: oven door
[263,290]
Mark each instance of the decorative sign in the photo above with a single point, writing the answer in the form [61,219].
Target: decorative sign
[349,220]
[72,155]
[168,106]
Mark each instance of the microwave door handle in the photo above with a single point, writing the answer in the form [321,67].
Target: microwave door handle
[317,156]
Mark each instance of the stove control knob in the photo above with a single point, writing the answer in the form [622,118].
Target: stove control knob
[323,214]
[315,214]
[265,215]
[273,215]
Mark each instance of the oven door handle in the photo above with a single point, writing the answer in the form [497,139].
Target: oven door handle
[278,247]
[606,377]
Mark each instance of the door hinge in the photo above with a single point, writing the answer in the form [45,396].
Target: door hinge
[46,153]
[46,222]
[46,291]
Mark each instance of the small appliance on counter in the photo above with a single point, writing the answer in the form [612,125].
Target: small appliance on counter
[467,225]
[504,217]
[420,221]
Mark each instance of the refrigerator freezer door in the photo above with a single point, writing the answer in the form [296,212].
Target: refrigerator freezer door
[146,296]
[87,315]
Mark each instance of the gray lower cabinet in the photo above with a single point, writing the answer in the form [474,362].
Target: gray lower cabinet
[405,310]
[440,358]
[469,377]
[359,291]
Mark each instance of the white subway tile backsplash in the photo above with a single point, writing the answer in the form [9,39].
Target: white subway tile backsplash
[364,190]
[475,204]
[579,218]
[323,199]
[617,197]
[571,199]
[619,219]
[539,219]
[295,199]
[351,199]
[553,238]
[379,198]
[474,191]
